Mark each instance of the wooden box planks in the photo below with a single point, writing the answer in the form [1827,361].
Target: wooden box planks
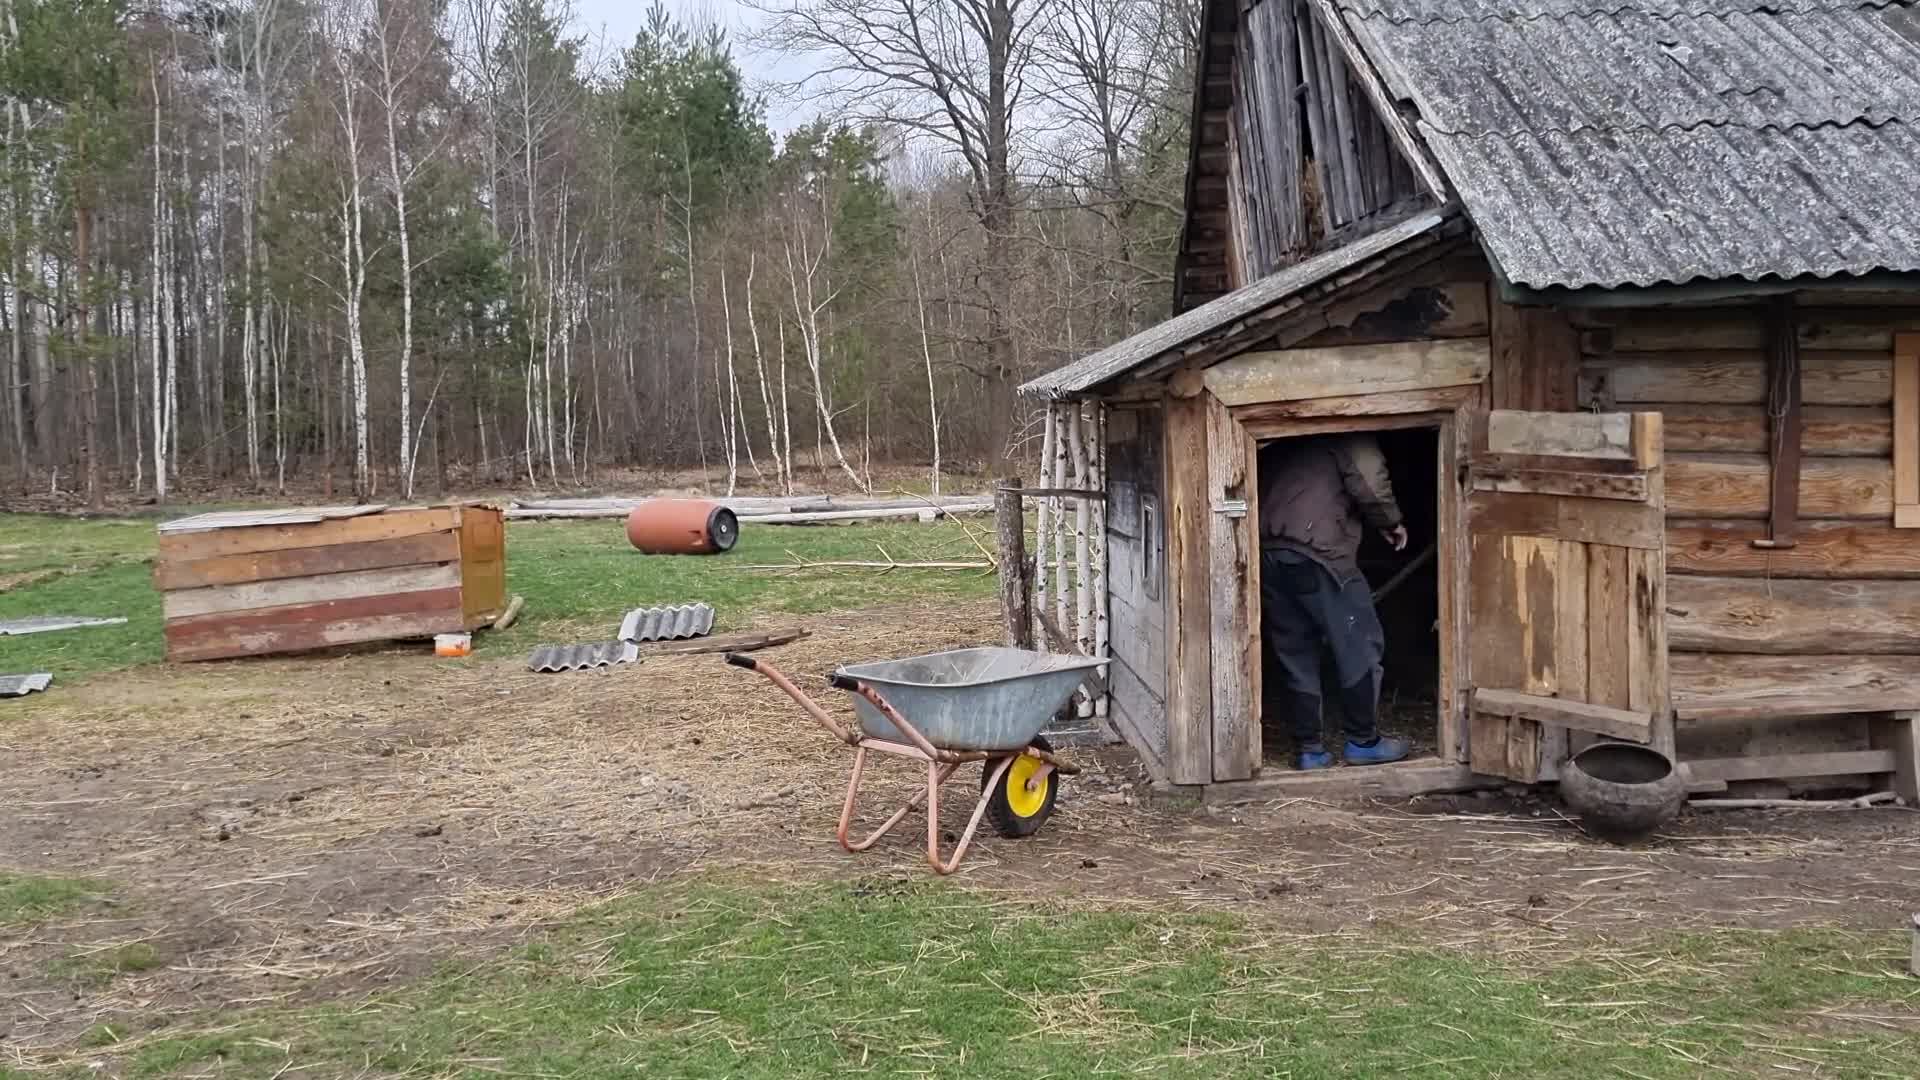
[285,581]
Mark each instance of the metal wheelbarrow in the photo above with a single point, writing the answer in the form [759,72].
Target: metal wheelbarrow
[987,705]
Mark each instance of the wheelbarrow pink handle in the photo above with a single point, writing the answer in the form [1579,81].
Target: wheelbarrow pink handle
[773,675]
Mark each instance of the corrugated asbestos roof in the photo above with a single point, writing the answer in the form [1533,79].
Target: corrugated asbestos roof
[1665,141]
[1117,360]
[578,657]
[667,623]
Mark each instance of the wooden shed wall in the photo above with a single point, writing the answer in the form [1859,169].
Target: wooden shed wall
[1751,629]
[1136,576]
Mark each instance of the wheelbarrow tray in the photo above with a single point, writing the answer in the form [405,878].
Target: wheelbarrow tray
[991,698]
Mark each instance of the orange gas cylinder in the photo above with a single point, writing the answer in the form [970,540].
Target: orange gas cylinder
[682,527]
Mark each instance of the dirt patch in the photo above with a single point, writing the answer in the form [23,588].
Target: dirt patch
[294,829]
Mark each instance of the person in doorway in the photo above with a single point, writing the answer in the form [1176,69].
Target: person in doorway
[1322,493]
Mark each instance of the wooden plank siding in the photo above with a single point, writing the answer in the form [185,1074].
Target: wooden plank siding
[407,572]
[1136,574]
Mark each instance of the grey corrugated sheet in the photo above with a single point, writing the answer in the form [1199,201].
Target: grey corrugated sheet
[667,623]
[1117,360]
[575,657]
[241,519]
[1605,144]
[41,624]
[22,685]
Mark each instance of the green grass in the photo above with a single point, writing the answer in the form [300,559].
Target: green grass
[97,967]
[26,898]
[578,578]
[757,982]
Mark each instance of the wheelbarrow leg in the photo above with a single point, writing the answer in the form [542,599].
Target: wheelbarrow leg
[973,823]
[853,790]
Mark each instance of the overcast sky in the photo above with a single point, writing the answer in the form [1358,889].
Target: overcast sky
[619,21]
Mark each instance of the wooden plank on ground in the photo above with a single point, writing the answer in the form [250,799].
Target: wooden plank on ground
[1783,766]
[390,525]
[306,562]
[1298,374]
[1738,486]
[314,626]
[1189,661]
[1631,487]
[1825,430]
[1731,687]
[1591,521]
[1739,378]
[1794,615]
[292,592]
[1823,549]
[1605,436]
[1233,550]
[1397,781]
[1565,713]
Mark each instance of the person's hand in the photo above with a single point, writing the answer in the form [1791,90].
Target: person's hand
[1397,536]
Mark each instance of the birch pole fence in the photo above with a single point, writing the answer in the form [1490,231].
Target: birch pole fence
[1059,585]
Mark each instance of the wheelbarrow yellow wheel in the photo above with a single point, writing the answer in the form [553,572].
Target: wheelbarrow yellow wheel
[1015,810]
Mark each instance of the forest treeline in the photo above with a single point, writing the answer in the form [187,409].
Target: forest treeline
[392,246]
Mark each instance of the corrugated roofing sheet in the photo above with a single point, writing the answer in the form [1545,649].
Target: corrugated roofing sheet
[1665,141]
[22,685]
[241,519]
[668,623]
[1116,360]
[577,657]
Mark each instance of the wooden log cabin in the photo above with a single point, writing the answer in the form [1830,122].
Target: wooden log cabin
[1630,294]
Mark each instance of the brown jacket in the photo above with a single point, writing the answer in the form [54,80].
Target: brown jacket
[1323,492]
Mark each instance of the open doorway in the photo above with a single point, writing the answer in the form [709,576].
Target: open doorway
[1407,597]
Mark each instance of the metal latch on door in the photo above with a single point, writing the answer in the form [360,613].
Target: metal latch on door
[1234,508]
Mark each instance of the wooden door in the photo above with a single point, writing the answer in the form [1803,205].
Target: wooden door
[1567,589]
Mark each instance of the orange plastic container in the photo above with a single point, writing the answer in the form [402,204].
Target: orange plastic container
[682,527]
[453,644]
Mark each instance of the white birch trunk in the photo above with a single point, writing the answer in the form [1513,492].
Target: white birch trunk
[786,417]
[760,376]
[1061,544]
[154,324]
[1101,642]
[807,315]
[730,411]
[926,354]
[399,182]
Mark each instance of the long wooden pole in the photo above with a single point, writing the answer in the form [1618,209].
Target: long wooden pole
[1015,602]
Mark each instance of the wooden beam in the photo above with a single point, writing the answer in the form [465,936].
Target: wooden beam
[1400,780]
[1588,521]
[1825,430]
[1630,487]
[1732,687]
[1604,436]
[1410,403]
[1233,551]
[1189,588]
[1783,416]
[1794,615]
[384,617]
[1906,429]
[1739,377]
[387,525]
[1341,370]
[169,575]
[1822,549]
[1740,486]
[1536,358]
[1784,766]
[1578,715]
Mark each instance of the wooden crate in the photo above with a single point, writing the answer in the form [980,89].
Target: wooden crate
[249,583]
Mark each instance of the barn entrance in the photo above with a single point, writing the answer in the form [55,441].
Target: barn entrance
[1406,588]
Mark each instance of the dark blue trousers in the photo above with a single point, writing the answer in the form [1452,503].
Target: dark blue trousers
[1309,616]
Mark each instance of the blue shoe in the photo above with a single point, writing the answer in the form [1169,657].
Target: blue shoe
[1384,749]
[1313,756]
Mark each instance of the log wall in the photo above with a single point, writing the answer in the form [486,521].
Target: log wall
[1744,619]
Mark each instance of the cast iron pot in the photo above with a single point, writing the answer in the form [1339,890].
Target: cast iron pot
[1623,792]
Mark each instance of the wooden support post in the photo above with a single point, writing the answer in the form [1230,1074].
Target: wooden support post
[1783,422]
[1015,602]
[1900,733]
[1906,431]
